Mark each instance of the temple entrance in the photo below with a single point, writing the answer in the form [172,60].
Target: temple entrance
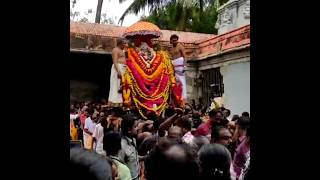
[89,76]
[212,84]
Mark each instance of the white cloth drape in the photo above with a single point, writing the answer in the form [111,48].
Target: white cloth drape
[179,68]
[114,95]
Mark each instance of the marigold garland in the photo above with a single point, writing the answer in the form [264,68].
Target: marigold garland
[138,59]
[148,86]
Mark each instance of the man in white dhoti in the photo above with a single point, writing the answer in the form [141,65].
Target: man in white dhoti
[178,60]
[89,126]
[117,69]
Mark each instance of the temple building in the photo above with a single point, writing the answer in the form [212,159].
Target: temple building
[216,64]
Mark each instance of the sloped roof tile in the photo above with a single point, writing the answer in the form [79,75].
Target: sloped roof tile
[117,31]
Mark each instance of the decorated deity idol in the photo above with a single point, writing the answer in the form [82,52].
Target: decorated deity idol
[149,77]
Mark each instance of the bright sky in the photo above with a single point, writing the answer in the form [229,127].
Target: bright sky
[112,8]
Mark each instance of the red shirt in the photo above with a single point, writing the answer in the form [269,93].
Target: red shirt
[204,129]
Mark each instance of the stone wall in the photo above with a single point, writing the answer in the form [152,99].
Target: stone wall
[235,69]
[236,78]
[232,15]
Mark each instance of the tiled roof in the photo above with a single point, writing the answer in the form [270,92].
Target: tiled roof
[197,45]
[117,31]
[186,37]
[96,29]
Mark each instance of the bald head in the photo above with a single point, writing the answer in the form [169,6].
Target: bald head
[176,151]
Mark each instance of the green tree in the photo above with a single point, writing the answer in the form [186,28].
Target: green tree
[158,5]
[206,21]
[185,19]
[138,5]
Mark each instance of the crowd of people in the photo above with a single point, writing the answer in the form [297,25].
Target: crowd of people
[191,143]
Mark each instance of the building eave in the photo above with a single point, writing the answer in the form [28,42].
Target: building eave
[221,53]
[83,50]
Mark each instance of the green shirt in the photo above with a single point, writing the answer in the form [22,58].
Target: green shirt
[123,170]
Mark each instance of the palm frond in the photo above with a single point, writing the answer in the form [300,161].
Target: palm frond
[134,7]
[137,5]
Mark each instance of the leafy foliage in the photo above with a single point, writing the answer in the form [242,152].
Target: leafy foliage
[176,17]
[184,15]
[137,5]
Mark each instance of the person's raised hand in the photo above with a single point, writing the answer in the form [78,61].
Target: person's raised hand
[179,111]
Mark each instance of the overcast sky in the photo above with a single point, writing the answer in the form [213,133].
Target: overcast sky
[112,8]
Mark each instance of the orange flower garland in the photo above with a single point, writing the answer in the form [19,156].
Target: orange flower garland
[148,86]
[150,77]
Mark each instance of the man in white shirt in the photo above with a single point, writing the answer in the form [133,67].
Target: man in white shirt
[73,114]
[98,135]
[185,124]
[89,127]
